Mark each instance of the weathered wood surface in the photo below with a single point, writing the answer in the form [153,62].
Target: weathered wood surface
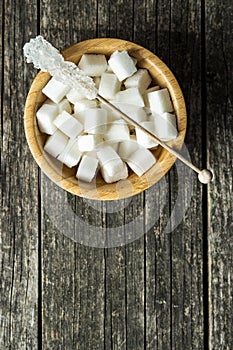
[219,130]
[162,290]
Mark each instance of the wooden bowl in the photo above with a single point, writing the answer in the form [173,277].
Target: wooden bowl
[98,189]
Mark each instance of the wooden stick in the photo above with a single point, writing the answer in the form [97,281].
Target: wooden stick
[204,175]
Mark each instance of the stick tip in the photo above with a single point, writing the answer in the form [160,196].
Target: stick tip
[205,176]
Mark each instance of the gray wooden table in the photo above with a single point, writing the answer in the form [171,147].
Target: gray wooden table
[170,285]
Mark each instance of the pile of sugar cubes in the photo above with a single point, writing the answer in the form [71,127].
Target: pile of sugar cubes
[90,136]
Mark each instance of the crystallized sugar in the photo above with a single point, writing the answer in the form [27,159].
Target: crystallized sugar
[74,95]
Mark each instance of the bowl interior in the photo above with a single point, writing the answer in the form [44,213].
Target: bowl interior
[98,189]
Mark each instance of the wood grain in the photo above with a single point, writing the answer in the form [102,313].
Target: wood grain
[187,239]
[219,87]
[19,192]
[161,290]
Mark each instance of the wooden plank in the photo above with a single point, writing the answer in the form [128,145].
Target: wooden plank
[187,312]
[219,87]
[73,275]
[19,187]
[151,29]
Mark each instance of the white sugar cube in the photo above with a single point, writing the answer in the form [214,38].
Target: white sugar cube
[71,155]
[68,124]
[117,131]
[130,96]
[141,160]
[64,105]
[145,95]
[138,114]
[87,168]
[45,117]
[141,79]
[93,65]
[109,85]
[122,174]
[95,121]
[55,90]
[165,126]
[74,95]
[126,148]
[160,101]
[87,143]
[142,138]
[112,114]
[84,104]
[56,143]
[112,144]
[122,65]
[110,160]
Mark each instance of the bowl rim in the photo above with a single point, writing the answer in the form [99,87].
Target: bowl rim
[144,182]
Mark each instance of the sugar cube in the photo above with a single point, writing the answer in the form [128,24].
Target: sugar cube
[74,95]
[87,168]
[145,95]
[56,143]
[110,160]
[88,143]
[71,155]
[130,96]
[45,117]
[142,138]
[68,124]
[122,174]
[138,114]
[141,160]
[165,126]
[84,104]
[93,65]
[95,121]
[55,90]
[117,131]
[141,79]
[122,65]
[111,166]
[126,148]
[109,85]
[159,101]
